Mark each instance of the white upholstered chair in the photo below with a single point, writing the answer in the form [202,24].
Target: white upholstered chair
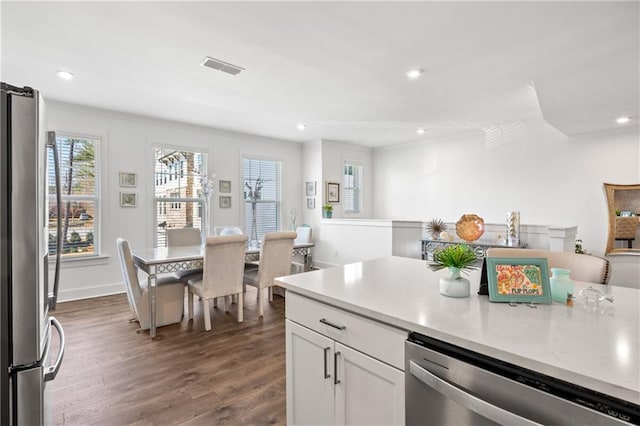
[179,237]
[222,275]
[275,261]
[169,293]
[583,267]
[304,237]
[227,230]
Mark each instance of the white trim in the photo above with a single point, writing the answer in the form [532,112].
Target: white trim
[81,261]
[89,292]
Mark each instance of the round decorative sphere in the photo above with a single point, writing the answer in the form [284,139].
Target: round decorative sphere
[470,227]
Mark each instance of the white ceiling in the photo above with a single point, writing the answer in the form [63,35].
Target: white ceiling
[339,67]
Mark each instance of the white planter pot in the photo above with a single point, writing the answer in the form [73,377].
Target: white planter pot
[455,285]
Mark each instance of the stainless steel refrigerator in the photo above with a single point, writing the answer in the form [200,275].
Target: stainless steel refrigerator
[26,359]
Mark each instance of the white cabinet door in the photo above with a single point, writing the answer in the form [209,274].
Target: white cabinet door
[368,391]
[310,389]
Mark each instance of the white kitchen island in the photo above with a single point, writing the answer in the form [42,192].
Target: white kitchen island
[599,350]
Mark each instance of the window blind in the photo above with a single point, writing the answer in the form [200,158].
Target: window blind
[79,160]
[352,182]
[267,202]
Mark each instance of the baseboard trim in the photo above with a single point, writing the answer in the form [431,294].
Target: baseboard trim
[89,292]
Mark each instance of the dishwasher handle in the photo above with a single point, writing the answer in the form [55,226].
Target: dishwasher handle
[471,402]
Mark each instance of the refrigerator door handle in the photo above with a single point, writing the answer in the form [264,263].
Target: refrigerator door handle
[467,400]
[51,372]
[51,143]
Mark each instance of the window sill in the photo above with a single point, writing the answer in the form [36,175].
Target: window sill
[81,261]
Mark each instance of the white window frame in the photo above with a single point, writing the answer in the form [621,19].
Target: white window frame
[359,191]
[246,202]
[96,198]
[166,204]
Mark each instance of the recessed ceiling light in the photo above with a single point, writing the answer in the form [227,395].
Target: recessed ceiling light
[65,75]
[414,73]
[622,120]
[420,131]
[301,126]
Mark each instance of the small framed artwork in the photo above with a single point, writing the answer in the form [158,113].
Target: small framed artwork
[311,203]
[225,202]
[310,189]
[128,179]
[518,280]
[225,186]
[128,199]
[626,214]
[333,192]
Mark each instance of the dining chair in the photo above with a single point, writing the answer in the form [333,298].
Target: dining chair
[275,261]
[304,237]
[583,267]
[222,275]
[180,237]
[169,293]
[227,230]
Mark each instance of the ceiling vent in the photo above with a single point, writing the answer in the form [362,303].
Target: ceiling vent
[223,66]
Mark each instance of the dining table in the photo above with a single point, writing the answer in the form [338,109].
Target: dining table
[162,260]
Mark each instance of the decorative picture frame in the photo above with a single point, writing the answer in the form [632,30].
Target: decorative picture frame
[225,202]
[333,192]
[310,188]
[225,186]
[128,179]
[311,203]
[518,280]
[128,199]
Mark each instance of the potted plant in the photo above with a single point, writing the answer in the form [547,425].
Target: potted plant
[457,258]
[327,210]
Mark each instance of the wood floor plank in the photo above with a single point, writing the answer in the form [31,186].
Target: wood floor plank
[113,375]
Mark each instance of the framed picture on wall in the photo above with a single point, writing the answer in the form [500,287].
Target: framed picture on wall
[128,179]
[128,199]
[225,186]
[333,192]
[311,203]
[225,202]
[310,189]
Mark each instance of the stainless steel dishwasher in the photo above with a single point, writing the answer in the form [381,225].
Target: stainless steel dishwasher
[449,385]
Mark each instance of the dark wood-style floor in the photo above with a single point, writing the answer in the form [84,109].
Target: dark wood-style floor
[111,375]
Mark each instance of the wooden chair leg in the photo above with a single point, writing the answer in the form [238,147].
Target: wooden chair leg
[207,318]
[215,302]
[260,308]
[270,294]
[190,307]
[240,308]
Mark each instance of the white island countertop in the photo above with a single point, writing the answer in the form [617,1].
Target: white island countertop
[599,350]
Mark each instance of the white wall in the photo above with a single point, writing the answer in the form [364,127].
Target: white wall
[550,178]
[334,154]
[127,142]
[312,170]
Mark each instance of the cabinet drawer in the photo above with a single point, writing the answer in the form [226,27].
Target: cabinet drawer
[378,340]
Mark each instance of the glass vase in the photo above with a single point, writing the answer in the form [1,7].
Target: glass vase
[454,285]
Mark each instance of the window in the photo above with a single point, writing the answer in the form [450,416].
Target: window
[352,188]
[79,159]
[177,190]
[261,183]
